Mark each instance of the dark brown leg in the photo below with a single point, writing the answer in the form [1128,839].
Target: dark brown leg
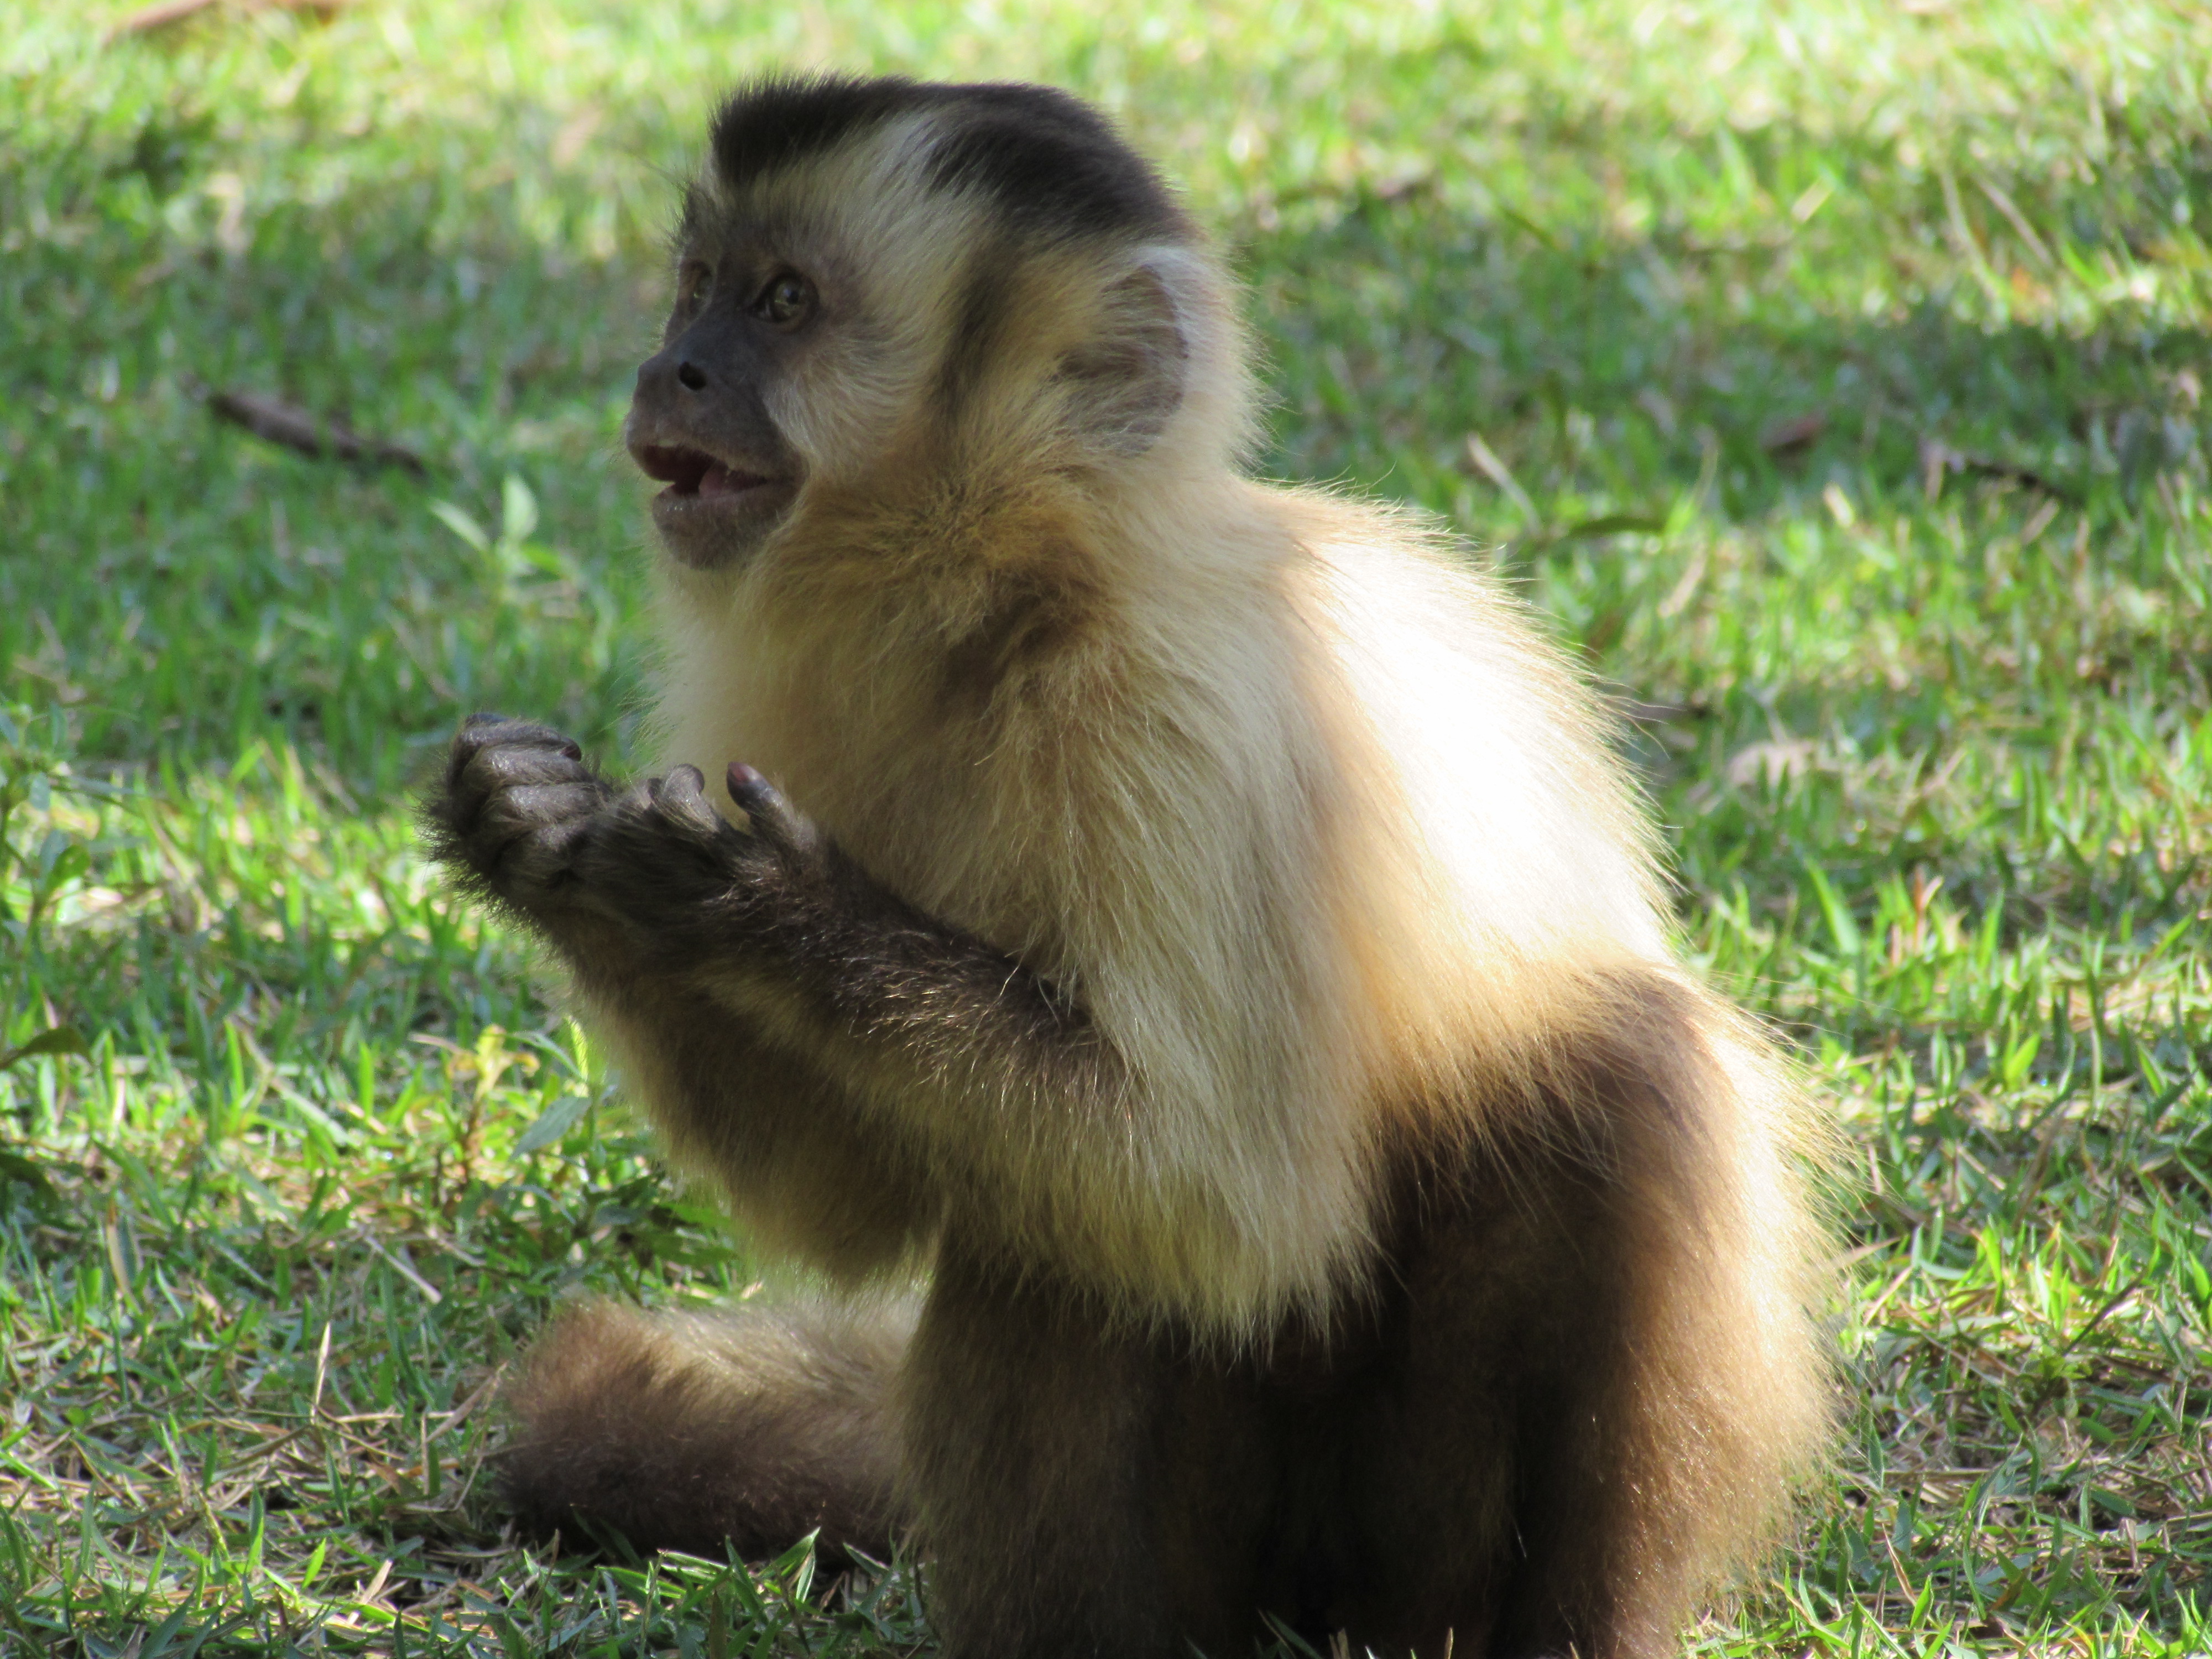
[1030,1445]
[1436,1439]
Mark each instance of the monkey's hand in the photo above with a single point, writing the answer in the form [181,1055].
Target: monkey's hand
[510,815]
[525,824]
[662,860]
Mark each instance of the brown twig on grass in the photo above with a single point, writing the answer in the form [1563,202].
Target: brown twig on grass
[295,427]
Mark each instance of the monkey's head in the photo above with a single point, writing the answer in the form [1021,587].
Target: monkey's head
[883,286]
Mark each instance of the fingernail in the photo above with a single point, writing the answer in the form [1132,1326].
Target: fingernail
[744,779]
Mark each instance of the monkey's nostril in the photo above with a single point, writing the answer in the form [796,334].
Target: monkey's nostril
[691,377]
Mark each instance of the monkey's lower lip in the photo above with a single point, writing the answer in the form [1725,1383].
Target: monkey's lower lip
[721,517]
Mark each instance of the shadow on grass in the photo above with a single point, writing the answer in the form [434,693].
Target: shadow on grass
[1615,364]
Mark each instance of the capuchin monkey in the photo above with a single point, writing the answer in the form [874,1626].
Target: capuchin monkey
[1196,931]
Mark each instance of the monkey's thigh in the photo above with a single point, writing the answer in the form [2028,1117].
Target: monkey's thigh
[1030,1436]
[1502,1474]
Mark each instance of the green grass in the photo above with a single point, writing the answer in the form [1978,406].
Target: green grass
[1932,741]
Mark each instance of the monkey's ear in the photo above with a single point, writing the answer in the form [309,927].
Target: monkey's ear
[1127,379]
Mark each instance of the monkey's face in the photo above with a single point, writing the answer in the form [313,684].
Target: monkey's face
[702,419]
[874,309]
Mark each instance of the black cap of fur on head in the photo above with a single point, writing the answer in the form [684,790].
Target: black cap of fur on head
[1047,162]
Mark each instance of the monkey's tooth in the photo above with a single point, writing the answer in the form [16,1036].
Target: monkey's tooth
[719,480]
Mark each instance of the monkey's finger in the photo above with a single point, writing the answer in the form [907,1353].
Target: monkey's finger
[511,766]
[768,814]
[525,841]
[542,808]
[481,732]
[683,795]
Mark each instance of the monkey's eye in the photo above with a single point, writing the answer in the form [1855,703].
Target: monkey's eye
[692,281]
[787,301]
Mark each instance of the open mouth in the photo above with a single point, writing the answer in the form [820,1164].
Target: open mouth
[695,472]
